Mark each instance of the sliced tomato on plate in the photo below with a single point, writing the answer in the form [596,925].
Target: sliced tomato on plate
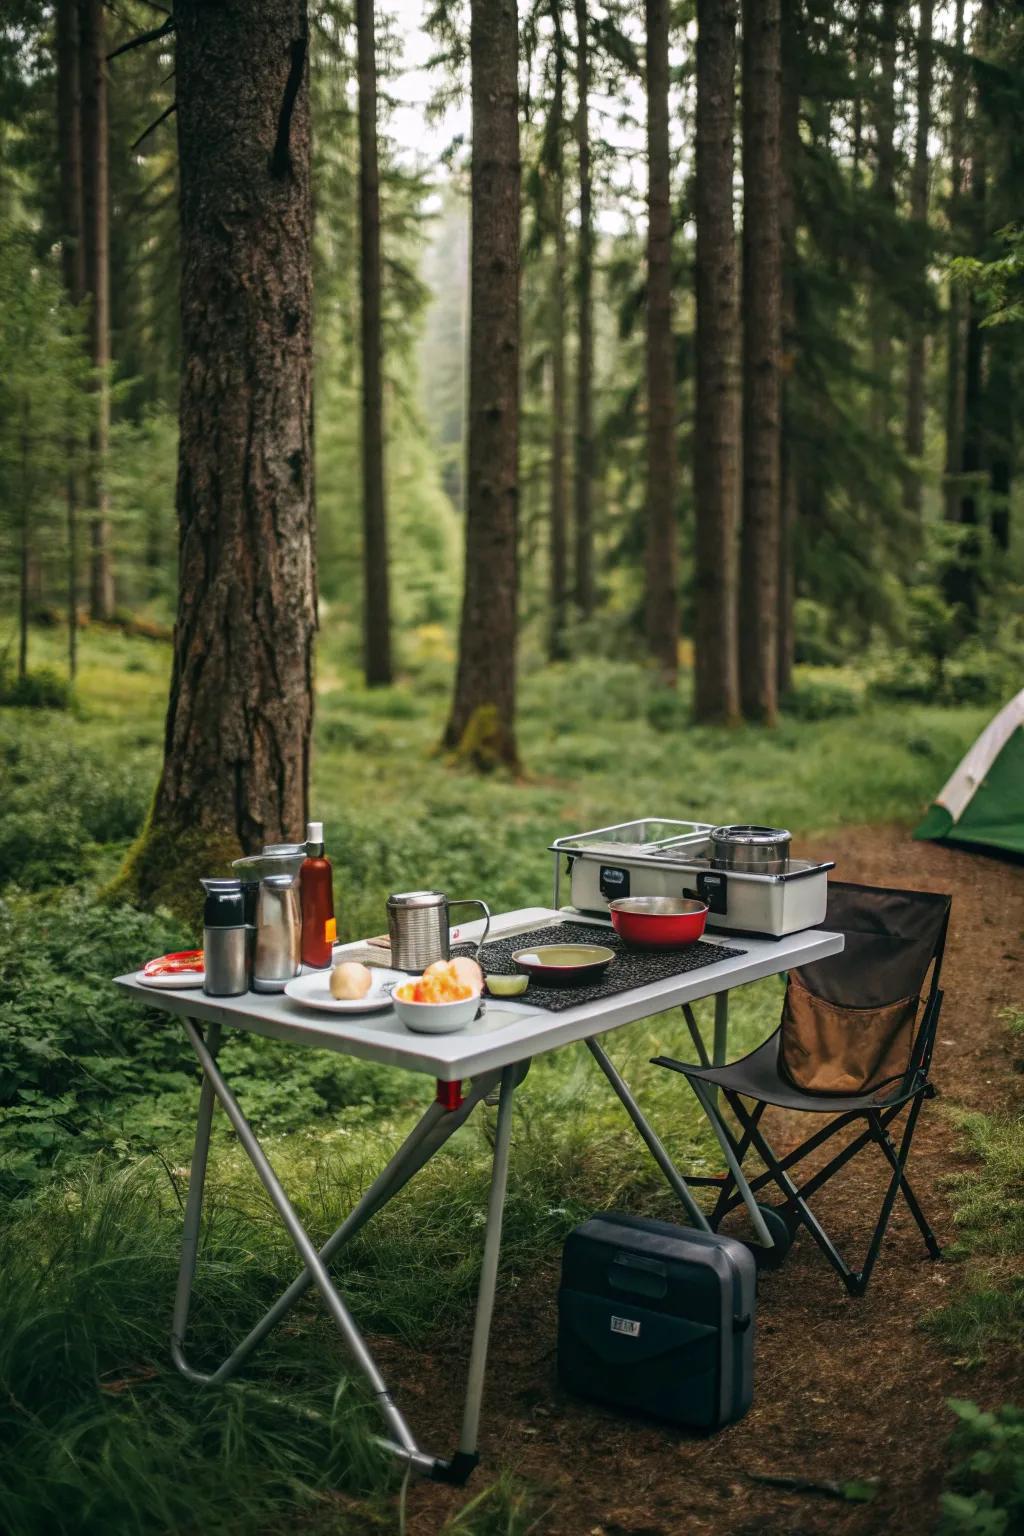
[175,965]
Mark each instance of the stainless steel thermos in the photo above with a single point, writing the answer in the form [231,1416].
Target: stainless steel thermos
[276,913]
[225,939]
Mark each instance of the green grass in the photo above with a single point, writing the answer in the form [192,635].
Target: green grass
[99,1099]
[987,1310]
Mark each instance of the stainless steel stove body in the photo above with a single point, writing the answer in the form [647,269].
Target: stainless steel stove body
[659,857]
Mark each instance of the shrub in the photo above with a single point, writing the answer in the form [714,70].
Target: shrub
[986,1494]
[812,698]
[814,633]
[44,689]
[905,677]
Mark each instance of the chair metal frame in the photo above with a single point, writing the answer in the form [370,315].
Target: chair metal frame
[915,1086]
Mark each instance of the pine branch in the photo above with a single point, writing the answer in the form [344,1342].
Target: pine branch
[144,37]
[156,124]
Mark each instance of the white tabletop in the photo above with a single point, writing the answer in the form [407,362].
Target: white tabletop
[508,1032]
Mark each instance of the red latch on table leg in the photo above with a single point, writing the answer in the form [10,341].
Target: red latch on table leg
[449,1095]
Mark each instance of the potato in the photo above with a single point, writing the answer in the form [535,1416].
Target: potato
[350,981]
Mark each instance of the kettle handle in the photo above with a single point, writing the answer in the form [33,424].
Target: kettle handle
[472,901]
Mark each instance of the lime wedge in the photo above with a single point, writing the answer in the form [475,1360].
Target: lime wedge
[507,986]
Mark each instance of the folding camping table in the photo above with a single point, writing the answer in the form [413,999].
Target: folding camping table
[493,1053]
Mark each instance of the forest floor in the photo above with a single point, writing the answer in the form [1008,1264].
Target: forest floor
[97,1112]
[844,1388]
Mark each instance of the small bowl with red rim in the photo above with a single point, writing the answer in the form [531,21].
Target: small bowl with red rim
[658,922]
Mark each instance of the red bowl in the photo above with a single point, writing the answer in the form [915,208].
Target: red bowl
[658,922]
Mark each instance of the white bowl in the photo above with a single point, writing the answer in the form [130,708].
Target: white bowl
[435,1018]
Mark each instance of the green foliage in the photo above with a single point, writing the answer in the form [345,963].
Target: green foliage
[58,799]
[986,1493]
[505,1508]
[987,1308]
[42,689]
[998,283]
[812,698]
[100,1434]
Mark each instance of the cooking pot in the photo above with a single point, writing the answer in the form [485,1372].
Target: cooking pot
[658,922]
[750,850]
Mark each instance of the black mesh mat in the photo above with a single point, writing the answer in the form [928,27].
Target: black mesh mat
[630,968]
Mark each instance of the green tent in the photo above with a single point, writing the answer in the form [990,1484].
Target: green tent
[983,801]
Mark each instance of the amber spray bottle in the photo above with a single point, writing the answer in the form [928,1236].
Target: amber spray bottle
[316,882]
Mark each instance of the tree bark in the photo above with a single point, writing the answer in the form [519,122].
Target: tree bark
[239,719]
[885,194]
[557,498]
[956,318]
[69,150]
[96,243]
[24,549]
[762,357]
[584,478]
[859,40]
[1001,425]
[913,436]
[961,583]
[481,727]
[789,502]
[717,438]
[661,608]
[376,583]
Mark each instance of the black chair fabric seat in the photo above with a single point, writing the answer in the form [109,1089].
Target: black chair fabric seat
[760,1076]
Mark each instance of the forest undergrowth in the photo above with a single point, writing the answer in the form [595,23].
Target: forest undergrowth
[99,1098]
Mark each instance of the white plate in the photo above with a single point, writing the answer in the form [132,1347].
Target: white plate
[171,980]
[314,991]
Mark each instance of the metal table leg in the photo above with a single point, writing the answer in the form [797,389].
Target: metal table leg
[720,1047]
[426,1138]
[489,1271]
[651,1141]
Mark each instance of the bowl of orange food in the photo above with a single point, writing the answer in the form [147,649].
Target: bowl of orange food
[444,999]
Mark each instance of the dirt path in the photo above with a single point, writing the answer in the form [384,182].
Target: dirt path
[843,1388]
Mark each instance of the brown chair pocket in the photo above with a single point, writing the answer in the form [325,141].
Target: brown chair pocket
[827,1048]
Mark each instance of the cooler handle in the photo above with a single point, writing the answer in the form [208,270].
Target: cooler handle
[638,1277]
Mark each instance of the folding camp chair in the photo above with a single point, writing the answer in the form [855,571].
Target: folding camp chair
[892,938]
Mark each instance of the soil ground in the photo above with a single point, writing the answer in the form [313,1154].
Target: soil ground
[844,1388]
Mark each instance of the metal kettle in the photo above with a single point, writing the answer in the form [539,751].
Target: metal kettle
[272,879]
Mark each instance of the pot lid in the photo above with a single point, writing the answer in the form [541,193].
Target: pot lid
[751,836]
[417,899]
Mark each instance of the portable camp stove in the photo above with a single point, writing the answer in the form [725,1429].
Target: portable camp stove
[656,856]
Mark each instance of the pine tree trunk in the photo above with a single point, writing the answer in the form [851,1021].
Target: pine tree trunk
[96,243]
[584,469]
[961,581]
[24,550]
[913,437]
[762,359]
[557,498]
[859,53]
[789,505]
[69,150]
[482,723]
[239,719]
[376,584]
[717,437]
[661,608]
[1000,421]
[885,193]
[956,318]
